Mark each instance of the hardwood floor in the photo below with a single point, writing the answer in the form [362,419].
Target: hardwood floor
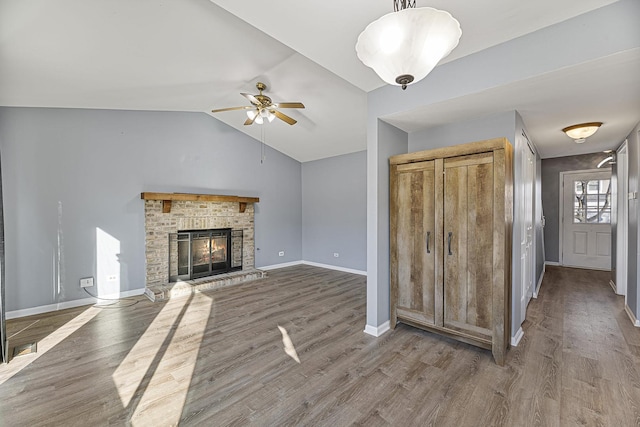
[219,358]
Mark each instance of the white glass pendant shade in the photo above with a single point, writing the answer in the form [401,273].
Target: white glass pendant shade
[403,47]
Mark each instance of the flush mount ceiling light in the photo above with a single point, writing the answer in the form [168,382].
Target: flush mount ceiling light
[404,46]
[579,133]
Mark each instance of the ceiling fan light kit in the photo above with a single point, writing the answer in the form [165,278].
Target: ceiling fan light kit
[580,132]
[259,116]
[403,46]
[262,108]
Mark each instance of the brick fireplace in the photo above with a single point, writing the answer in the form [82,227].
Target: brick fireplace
[168,215]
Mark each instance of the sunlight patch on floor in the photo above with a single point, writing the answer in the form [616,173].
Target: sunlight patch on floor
[176,367]
[44,345]
[289,348]
[131,371]
[156,373]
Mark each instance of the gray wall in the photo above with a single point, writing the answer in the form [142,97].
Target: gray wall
[382,143]
[551,169]
[493,126]
[67,173]
[633,285]
[334,211]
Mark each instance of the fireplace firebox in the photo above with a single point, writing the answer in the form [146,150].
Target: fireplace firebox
[200,253]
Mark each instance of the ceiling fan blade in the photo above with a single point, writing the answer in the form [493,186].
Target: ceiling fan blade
[284,117]
[250,120]
[231,109]
[289,105]
[251,98]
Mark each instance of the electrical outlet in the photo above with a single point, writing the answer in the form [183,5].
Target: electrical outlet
[336,254]
[86,282]
[281,253]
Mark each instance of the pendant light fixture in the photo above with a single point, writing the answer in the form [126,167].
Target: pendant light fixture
[579,133]
[403,46]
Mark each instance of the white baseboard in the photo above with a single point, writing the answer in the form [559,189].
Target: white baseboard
[69,304]
[276,266]
[315,264]
[613,286]
[377,331]
[635,321]
[333,267]
[536,291]
[515,340]
[552,263]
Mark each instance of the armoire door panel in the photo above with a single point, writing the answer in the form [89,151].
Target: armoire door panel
[455,251]
[468,211]
[415,222]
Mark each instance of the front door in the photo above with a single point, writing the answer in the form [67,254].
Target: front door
[586,220]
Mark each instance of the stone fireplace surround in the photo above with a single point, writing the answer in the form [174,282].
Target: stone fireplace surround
[167,213]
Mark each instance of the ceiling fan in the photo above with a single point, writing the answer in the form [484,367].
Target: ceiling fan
[262,108]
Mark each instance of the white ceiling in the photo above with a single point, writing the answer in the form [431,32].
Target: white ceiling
[195,55]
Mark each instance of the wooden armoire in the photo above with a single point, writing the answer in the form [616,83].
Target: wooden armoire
[451,220]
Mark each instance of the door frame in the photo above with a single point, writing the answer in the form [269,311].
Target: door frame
[4,343]
[561,212]
[622,227]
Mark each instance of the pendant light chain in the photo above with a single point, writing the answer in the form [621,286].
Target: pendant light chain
[403,4]
[263,151]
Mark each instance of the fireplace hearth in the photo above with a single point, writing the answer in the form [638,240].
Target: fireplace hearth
[200,253]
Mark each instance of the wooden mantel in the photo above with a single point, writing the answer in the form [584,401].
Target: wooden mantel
[167,198]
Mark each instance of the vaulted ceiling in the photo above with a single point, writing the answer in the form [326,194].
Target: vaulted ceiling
[196,55]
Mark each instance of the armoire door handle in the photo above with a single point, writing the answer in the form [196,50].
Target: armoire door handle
[428,238]
[449,242]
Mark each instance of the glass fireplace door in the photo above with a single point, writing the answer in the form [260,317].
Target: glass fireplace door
[200,254]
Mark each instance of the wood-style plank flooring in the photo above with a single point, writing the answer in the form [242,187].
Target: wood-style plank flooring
[228,357]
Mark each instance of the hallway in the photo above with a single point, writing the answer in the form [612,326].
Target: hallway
[580,353]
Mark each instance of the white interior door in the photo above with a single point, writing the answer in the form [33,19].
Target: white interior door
[526,243]
[586,220]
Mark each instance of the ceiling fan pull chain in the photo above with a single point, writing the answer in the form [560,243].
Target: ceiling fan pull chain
[262,147]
